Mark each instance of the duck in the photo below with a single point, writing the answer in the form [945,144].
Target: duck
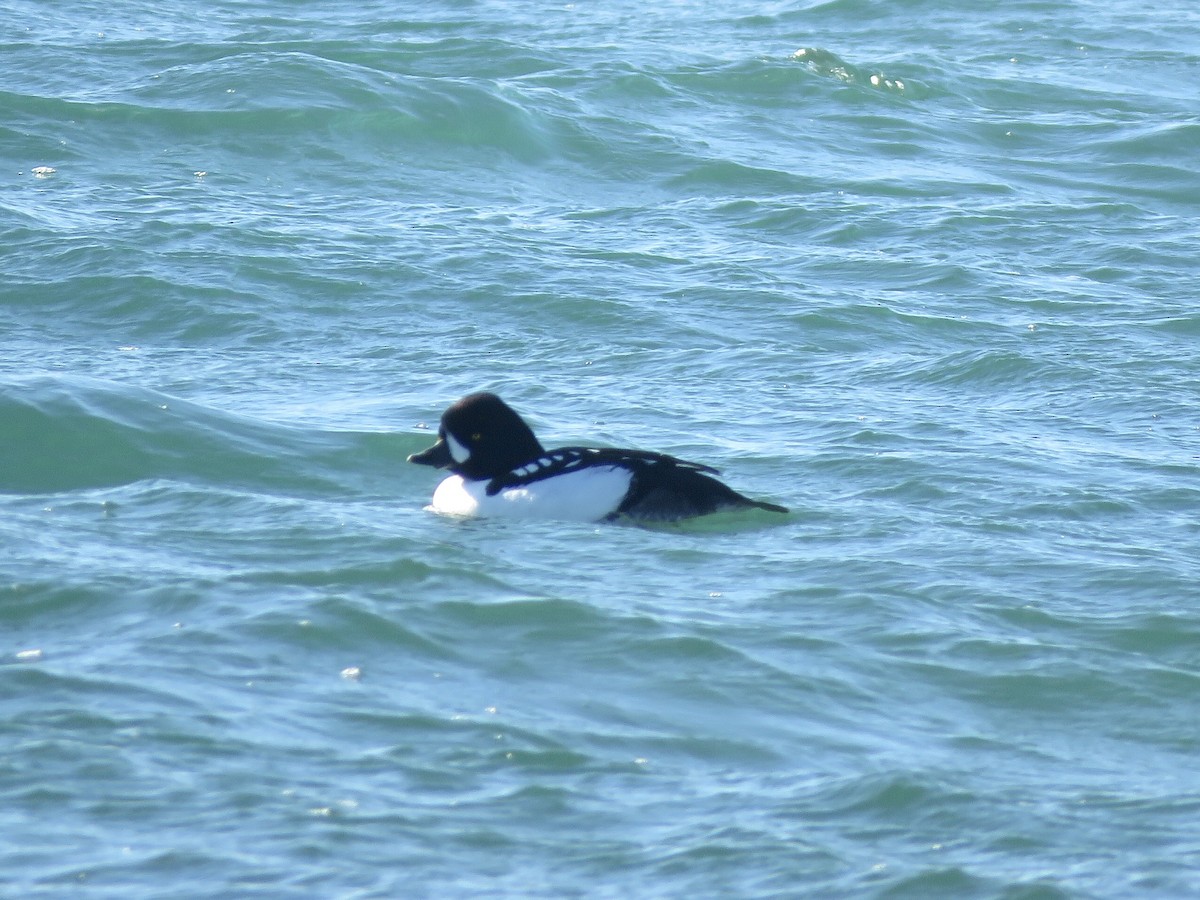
[500,469]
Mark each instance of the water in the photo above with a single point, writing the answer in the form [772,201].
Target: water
[924,274]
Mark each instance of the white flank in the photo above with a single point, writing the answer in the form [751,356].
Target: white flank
[583,496]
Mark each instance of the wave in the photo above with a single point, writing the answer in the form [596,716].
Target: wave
[63,433]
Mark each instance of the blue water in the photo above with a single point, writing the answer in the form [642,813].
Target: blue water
[925,274]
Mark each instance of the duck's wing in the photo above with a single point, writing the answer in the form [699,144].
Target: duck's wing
[573,459]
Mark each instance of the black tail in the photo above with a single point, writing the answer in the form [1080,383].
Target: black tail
[763,504]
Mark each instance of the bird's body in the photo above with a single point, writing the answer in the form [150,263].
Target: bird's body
[500,469]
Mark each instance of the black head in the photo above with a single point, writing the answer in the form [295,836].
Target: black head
[480,437]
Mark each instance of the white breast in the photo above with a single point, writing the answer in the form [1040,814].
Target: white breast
[583,496]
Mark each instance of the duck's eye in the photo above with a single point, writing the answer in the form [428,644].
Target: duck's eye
[476,436]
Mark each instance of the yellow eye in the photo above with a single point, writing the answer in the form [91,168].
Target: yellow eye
[476,436]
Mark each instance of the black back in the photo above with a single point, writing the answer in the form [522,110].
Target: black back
[672,489]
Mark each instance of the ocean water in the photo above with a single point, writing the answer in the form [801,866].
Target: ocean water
[925,273]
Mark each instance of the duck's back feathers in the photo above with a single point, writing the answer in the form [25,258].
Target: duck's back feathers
[569,459]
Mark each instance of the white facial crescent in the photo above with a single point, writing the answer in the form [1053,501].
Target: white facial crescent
[460,453]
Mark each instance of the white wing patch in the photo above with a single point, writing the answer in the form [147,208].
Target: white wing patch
[559,462]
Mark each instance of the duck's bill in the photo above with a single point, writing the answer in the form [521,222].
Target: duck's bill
[437,456]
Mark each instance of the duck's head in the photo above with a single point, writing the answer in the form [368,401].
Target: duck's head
[480,436]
